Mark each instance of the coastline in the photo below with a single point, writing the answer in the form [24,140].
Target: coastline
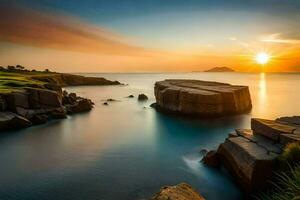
[30,98]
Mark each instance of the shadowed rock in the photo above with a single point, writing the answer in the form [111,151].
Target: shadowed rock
[202,98]
[211,159]
[181,191]
[9,120]
[142,97]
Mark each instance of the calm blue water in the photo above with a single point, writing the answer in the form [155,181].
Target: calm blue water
[127,150]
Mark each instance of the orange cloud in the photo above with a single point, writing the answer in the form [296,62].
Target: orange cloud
[29,27]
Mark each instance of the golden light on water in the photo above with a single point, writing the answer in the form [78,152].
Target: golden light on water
[262,58]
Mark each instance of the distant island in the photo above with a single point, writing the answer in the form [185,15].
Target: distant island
[220,69]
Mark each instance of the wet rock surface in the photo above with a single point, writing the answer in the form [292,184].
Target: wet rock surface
[201,98]
[181,191]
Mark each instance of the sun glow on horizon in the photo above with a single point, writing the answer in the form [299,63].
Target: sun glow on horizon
[262,58]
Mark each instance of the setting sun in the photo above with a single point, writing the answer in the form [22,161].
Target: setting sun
[262,58]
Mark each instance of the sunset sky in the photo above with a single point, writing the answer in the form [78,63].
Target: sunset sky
[150,35]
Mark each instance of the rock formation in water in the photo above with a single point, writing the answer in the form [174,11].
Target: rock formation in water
[202,98]
[31,98]
[142,97]
[250,155]
[181,191]
[220,69]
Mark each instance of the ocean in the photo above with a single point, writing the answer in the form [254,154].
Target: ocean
[127,150]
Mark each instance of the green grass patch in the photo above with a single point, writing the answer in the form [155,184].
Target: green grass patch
[13,81]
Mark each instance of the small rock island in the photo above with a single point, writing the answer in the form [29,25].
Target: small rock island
[220,69]
[201,98]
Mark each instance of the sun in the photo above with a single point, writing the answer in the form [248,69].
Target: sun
[262,58]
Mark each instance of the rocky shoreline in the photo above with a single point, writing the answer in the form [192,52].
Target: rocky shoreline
[251,155]
[23,104]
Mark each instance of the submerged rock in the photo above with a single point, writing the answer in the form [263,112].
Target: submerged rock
[142,97]
[202,98]
[105,103]
[130,96]
[181,191]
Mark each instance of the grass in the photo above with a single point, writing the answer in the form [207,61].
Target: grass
[15,81]
[286,185]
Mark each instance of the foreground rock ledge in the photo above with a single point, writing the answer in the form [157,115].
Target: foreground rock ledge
[250,155]
[181,191]
[203,98]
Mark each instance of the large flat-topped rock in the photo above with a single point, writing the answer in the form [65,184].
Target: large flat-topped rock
[204,98]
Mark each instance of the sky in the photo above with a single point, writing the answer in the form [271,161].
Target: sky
[150,35]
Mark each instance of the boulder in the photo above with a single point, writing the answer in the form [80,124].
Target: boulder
[81,105]
[181,191]
[9,120]
[250,163]
[211,159]
[130,96]
[270,128]
[142,97]
[202,98]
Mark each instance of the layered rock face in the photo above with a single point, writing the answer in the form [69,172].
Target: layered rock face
[36,106]
[202,98]
[37,103]
[250,155]
[181,191]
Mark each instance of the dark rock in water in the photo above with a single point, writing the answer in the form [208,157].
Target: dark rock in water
[203,151]
[142,97]
[211,159]
[130,96]
[9,120]
[110,100]
[181,191]
[58,113]
[39,119]
[201,98]
[105,103]
[81,105]
[153,105]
